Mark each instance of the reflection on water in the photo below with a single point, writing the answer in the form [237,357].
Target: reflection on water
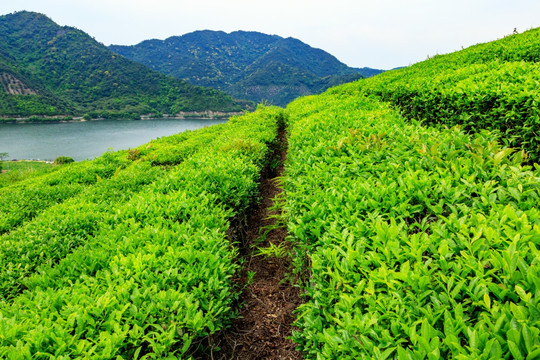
[87,140]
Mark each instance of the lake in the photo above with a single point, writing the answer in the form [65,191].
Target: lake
[87,139]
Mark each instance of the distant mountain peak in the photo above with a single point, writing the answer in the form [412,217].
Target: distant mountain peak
[245,64]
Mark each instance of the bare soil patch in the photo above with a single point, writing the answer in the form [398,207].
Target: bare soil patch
[267,305]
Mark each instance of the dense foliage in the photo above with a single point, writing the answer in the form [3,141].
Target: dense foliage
[488,86]
[74,74]
[419,242]
[62,160]
[22,201]
[141,264]
[247,65]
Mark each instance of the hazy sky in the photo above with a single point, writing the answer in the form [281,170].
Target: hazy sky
[377,33]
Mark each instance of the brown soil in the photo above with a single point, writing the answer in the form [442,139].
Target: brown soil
[265,319]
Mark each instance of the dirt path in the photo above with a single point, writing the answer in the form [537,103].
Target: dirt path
[265,320]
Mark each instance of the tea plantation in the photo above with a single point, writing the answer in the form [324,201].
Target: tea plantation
[411,199]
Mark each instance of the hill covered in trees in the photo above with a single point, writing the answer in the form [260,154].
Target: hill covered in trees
[47,69]
[246,65]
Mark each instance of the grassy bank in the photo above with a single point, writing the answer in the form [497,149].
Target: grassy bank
[14,171]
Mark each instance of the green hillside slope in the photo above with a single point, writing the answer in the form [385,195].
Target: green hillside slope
[488,86]
[420,239]
[136,262]
[72,73]
[22,95]
[247,65]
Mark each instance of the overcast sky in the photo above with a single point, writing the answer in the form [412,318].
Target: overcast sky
[378,33]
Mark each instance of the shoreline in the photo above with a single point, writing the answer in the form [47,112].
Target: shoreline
[27,160]
[63,139]
[183,115]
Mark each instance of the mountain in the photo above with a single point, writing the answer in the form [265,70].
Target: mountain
[47,69]
[246,65]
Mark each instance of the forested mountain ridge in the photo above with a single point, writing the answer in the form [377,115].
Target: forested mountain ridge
[65,71]
[247,65]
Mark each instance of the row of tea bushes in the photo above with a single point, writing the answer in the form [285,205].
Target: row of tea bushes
[413,242]
[488,86]
[63,227]
[59,229]
[157,273]
[496,96]
[23,201]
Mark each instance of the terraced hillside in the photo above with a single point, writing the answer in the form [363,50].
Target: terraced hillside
[488,86]
[133,259]
[416,226]
[411,202]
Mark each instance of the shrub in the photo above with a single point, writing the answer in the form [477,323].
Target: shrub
[63,160]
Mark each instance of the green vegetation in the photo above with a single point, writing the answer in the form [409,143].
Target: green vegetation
[46,69]
[27,166]
[246,65]
[62,160]
[22,201]
[140,264]
[277,251]
[411,201]
[489,86]
[20,170]
[422,242]
[419,242]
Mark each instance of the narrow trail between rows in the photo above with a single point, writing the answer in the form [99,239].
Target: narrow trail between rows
[265,319]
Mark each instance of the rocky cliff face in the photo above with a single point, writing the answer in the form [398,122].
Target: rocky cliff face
[14,86]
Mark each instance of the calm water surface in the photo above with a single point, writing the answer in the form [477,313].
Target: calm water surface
[87,140]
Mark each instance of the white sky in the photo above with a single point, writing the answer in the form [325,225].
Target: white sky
[378,33]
